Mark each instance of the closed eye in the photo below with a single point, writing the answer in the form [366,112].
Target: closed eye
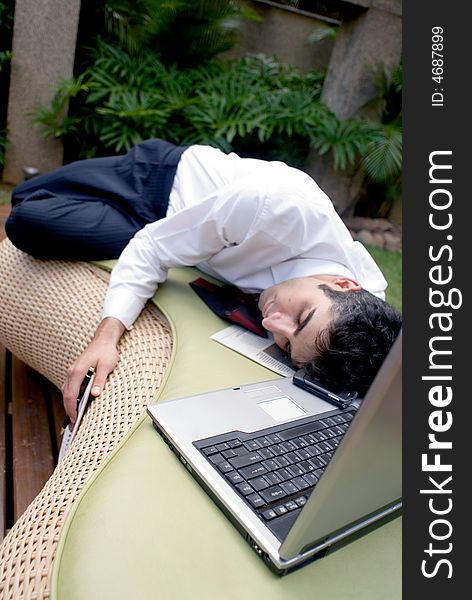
[303,323]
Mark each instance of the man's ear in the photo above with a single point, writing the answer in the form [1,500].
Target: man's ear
[346,284]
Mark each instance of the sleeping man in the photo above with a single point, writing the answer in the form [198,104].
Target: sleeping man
[262,226]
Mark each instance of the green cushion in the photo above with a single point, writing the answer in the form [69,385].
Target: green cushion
[142,528]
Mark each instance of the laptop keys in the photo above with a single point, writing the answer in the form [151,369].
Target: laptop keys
[269,514]
[266,453]
[234,477]
[245,460]
[252,445]
[224,467]
[259,483]
[224,446]
[253,471]
[282,509]
[275,473]
[230,453]
[256,501]
[273,494]
[289,488]
[244,488]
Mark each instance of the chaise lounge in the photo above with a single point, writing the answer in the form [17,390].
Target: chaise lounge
[48,313]
[119,517]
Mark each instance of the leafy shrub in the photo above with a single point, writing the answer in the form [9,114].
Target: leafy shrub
[122,99]
[6,22]
[382,157]
[256,106]
[187,33]
[3,143]
[5,57]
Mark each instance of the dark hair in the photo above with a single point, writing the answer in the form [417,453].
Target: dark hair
[352,349]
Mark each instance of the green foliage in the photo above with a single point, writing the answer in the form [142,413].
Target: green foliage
[382,157]
[6,15]
[54,119]
[3,143]
[121,99]
[390,264]
[251,102]
[397,79]
[6,22]
[387,104]
[5,58]
[256,106]
[182,32]
[344,139]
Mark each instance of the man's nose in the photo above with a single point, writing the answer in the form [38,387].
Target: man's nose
[278,323]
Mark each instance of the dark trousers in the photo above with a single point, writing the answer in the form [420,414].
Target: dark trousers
[90,209]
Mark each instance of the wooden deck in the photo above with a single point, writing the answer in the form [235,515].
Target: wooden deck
[31,417]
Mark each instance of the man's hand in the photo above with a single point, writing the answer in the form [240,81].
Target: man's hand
[102,354]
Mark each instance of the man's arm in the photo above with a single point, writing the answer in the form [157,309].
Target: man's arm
[190,237]
[184,239]
[102,354]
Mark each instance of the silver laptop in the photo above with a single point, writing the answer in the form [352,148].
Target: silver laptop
[293,472]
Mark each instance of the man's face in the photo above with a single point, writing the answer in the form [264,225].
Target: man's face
[298,310]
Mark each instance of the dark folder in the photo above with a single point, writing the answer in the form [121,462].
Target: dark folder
[229,303]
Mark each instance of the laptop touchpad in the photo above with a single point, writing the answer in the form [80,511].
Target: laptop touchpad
[282,408]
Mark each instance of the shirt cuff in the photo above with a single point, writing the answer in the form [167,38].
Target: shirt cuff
[123,305]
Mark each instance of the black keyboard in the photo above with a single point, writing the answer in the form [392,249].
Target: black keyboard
[275,470]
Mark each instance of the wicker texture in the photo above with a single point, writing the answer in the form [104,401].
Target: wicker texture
[49,311]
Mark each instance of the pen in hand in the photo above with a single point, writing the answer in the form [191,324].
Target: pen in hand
[83,387]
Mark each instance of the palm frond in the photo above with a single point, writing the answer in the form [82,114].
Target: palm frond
[5,58]
[3,144]
[51,120]
[382,158]
[346,140]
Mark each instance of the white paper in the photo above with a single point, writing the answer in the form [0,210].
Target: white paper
[261,350]
[69,435]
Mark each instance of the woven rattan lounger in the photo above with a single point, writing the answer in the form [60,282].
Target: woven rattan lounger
[113,542]
[48,313]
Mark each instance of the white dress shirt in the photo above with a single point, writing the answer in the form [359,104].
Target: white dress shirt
[248,222]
